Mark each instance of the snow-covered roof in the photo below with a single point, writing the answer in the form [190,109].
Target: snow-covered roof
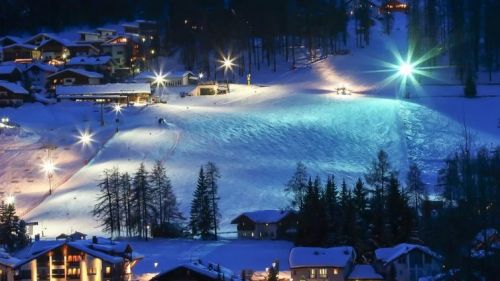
[44,67]
[105,249]
[12,38]
[26,46]
[264,216]
[364,271]
[105,89]
[211,270]
[321,257]
[8,69]
[82,72]
[7,260]
[387,255]
[13,87]
[62,41]
[89,60]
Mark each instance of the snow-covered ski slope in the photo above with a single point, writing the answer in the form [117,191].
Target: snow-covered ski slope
[257,134]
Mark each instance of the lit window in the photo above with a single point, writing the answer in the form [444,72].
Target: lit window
[323,273]
[312,273]
[335,271]
[108,270]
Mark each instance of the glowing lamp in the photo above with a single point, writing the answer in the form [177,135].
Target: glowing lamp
[405,69]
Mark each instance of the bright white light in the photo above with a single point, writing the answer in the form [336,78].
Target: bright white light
[405,69]
[159,79]
[48,167]
[85,138]
[227,63]
[200,75]
[10,200]
[117,108]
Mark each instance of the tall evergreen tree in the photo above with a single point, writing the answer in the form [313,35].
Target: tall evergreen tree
[12,229]
[212,176]
[201,218]
[415,186]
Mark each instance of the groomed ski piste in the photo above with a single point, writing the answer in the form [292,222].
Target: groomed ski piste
[255,135]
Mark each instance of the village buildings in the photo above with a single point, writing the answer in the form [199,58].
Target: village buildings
[97,259]
[266,224]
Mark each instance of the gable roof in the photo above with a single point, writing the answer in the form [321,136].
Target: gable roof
[388,255]
[89,60]
[82,72]
[43,66]
[8,69]
[13,87]
[11,38]
[211,271]
[107,250]
[321,257]
[264,216]
[364,271]
[21,45]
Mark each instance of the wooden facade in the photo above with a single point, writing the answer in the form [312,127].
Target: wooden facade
[74,77]
[280,226]
[20,52]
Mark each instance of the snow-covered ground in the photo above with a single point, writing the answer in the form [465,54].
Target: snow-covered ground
[254,134]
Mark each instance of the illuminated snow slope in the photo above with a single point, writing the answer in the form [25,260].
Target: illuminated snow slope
[256,135]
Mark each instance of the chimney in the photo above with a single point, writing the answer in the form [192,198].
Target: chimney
[94,239]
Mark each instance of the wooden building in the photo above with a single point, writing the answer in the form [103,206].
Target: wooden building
[82,50]
[100,64]
[266,224]
[364,272]
[112,92]
[98,259]
[38,74]
[407,262]
[17,52]
[10,73]
[12,94]
[73,76]
[326,264]
[54,49]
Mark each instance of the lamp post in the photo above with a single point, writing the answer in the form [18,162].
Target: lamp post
[117,109]
[159,80]
[48,167]
[405,71]
[228,64]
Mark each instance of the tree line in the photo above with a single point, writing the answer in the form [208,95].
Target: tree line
[142,203]
[375,212]
[466,30]
[134,205]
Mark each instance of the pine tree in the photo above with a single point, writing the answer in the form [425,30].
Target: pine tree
[329,200]
[297,185]
[126,199]
[212,176]
[311,228]
[12,229]
[360,200]
[165,200]
[415,186]
[142,202]
[103,209]
[201,218]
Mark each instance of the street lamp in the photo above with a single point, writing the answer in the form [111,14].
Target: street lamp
[227,63]
[85,138]
[117,109]
[406,69]
[48,167]
[159,80]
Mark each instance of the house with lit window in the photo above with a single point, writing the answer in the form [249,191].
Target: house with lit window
[54,49]
[74,76]
[325,264]
[20,52]
[197,271]
[407,262]
[364,272]
[266,224]
[121,49]
[38,73]
[100,64]
[12,94]
[82,50]
[97,259]
[112,92]
[394,6]
[11,73]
